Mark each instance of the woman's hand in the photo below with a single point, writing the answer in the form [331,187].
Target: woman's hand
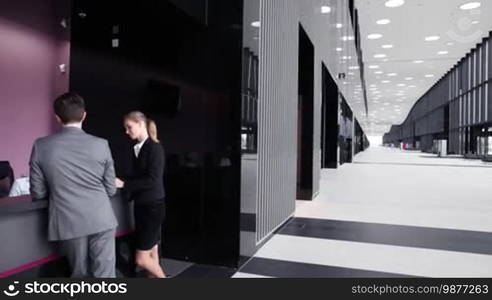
[119,183]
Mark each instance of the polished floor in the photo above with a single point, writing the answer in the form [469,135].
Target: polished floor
[391,213]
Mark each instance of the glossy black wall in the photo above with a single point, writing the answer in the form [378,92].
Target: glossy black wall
[345,132]
[185,49]
[329,120]
[305,117]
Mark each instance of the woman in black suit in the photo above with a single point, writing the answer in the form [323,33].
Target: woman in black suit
[145,186]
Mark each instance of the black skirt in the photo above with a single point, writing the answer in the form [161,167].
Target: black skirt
[149,218]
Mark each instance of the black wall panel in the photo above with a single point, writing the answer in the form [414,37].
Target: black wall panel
[160,43]
[489,102]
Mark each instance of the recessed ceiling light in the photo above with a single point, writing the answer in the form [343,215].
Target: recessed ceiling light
[429,75]
[449,44]
[380,56]
[255,24]
[392,74]
[418,61]
[389,46]
[442,52]
[470,5]
[347,38]
[374,36]
[339,25]
[325,9]
[408,78]
[383,22]
[401,85]
[373,67]
[394,3]
[475,22]
[432,38]
[346,57]
[378,72]
[339,49]
[354,68]
[385,81]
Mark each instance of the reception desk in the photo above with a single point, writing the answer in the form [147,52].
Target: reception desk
[25,250]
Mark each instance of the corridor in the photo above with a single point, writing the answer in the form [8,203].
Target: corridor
[391,213]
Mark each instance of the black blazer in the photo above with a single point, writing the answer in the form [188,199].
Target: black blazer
[145,184]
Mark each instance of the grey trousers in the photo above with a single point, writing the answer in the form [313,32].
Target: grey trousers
[91,256]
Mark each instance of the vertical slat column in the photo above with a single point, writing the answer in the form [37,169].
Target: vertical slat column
[277,112]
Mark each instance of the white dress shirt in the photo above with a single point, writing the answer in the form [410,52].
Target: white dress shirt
[138,147]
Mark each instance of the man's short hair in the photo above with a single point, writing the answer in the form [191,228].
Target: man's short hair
[70,108]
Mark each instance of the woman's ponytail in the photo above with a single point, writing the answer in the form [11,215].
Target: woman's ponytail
[152,130]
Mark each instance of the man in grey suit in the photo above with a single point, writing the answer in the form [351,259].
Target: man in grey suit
[75,171]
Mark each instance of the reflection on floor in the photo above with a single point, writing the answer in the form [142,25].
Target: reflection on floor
[203,271]
[392,213]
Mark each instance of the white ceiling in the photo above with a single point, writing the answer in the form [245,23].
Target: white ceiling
[459,31]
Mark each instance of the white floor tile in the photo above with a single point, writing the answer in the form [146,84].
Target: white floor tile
[248,275]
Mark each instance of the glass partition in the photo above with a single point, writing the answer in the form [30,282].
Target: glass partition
[249,125]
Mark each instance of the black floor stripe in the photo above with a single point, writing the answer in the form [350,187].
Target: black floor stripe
[288,269]
[396,235]
[419,164]
[205,271]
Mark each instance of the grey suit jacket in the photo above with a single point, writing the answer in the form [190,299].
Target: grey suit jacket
[75,171]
